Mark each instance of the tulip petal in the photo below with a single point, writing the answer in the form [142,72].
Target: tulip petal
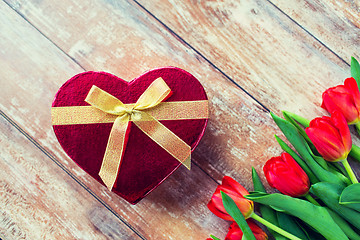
[352,86]
[246,207]
[324,118]
[216,207]
[284,174]
[216,203]
[234,233]
[214,210]
[257,231]
[289,182]
[233,210]
[234,185]
[340,101]
[330,147]
[341,125]
[327,102]
[325,123]
[289,160]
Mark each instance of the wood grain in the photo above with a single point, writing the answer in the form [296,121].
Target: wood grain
[250,42]
[278,82]
[324,18]
[260,48]
[234,116]
[33,115]
[232,120]
[39,199]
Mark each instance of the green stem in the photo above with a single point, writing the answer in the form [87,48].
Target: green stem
[357,126]
[311,199]
[349,171]
[273,227]
[355,152]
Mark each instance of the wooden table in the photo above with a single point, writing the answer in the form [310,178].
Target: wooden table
[252,57]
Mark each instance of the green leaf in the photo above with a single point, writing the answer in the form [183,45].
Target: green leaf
[215,238]
[289,118]
[344,225]
[312,234]
[320,160]
[332,167]
[303,121]
[286,148]
[301,147]
[311,148]
[336,167]
[289,224]
[236,214]
[355,152]
[258,186]
[316,216]
[355,70]
[330,193]
[293,118]
[266,212]
[350,197]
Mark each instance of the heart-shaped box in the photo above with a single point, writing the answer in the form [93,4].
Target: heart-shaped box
[145,164]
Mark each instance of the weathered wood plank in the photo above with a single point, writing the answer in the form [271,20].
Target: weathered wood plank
[26,98]
[324,18]
[272,78]
[40,201]
[260,48]
[120,38]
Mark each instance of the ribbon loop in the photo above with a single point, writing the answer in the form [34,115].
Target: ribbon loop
[104,101]
[153,95]
[145,114]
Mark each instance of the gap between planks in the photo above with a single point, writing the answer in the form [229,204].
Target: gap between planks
[177,36]
[182,40]
[46,37]
[309,33]
[74,60]
[185,43]
[52,158]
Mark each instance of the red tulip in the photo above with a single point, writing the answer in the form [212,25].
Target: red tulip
[284,174]
[344,98]
[235,232]
[236,192]
[330,136]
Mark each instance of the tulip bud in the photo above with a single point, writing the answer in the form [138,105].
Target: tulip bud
[345,99]
[236,192]
[235,232]
[284,174]
[330,136]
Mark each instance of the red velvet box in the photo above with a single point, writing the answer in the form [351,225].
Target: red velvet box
[145,164]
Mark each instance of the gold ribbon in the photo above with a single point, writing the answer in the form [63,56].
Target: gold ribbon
[145,114]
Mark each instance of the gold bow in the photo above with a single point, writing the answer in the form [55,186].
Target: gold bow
[145,114]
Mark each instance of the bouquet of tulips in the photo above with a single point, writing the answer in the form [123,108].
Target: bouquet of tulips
[319,193]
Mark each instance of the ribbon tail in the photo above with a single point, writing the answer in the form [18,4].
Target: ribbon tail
[165,138]
[114,152]
[187,162]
